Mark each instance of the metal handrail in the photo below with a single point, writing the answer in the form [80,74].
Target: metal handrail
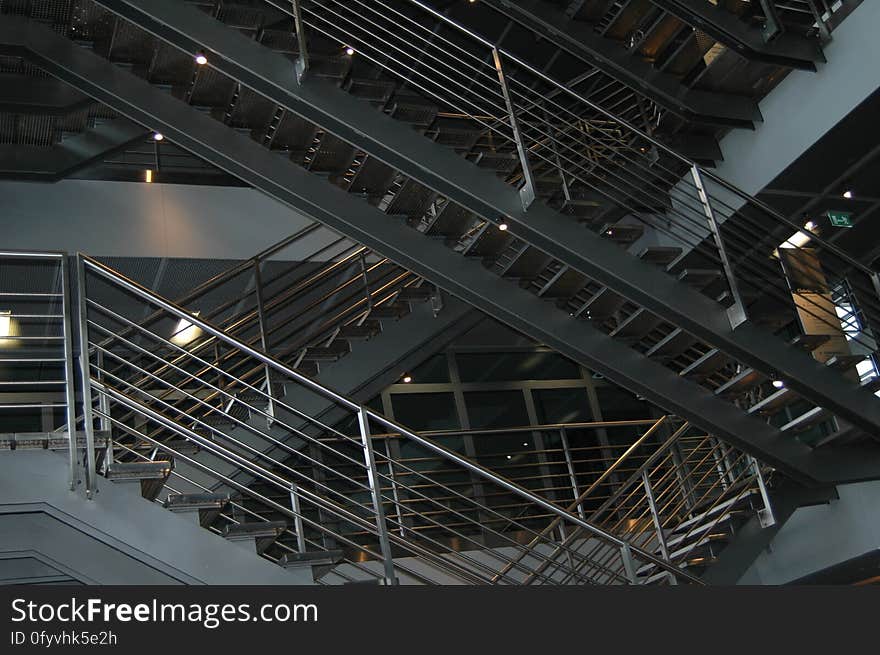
[365,413]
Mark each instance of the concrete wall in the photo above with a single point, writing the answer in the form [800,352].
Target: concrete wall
[815,538]
[117,538]
[128,219]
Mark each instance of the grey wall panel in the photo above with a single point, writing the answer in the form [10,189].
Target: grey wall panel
[130,540]
[128,219]
[821,536]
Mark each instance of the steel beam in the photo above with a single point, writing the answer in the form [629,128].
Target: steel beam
[579,40]
[25,94]
[71,155]
[481,192]
[786,49]
[467,279]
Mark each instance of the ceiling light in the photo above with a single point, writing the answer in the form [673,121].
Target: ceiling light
[158,136]
[502,226]
[407,379]
[5,323]
[510,457]
[848,194]
[349,50]
[201,59]
[810,225]
[185,332]
[148,176]
[778,384]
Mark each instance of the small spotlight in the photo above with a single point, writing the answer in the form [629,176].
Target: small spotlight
[525,443]
[778,384]
[810,225]
[201,59]
[510,457]
[349,50]
[158,136]
[407,379]
[503,227]
[848,194]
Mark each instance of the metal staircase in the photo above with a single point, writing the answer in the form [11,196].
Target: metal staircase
[654,506]
[584,154]
[587,164]
[346,506]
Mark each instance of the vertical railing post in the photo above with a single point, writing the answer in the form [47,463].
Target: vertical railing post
[527,191]
[297,518]
[376,492]
[736,313]
[264,341]
[367,293]
[572,476]
[69,374]
[628,564]
[765,515]
[85,374]
[658,524]
[302,62]
[104,420]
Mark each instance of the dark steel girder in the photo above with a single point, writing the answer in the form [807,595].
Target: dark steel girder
[787,49]
[482,193]
[25,162]
[579,40]
[467,279]
[25,94]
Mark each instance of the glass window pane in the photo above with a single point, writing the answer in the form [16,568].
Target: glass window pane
[496,409]
[498,367]
[562,405]
[433,369]
[426,411]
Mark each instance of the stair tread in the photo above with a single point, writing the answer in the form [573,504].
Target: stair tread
[254,530]
[139,470]
[189,502]
[313,558]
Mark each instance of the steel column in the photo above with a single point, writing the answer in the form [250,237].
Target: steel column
[658,524]
[297,520]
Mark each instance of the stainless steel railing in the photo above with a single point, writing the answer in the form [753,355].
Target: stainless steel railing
[568,147]
[36,347]
[371,502]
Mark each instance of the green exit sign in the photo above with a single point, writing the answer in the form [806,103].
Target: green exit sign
[840,219]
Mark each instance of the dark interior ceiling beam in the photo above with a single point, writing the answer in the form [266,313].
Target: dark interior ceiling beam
[786,49]
[482,193]
[579,40]
[27,162]
[468,279]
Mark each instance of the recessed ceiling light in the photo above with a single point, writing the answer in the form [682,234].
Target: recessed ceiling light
[407,379]
[201,59]
[502,226]
[848,194]
[349,50]
[778,384]
[158,136]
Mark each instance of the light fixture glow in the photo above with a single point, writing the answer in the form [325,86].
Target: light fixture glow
[502,226]
[510,457]
[407,379]
[185,332]
[148,175]
[848,194]
[349,50]
[201,59]
[5,323]
[778,384]
[158,136]
[810,225]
